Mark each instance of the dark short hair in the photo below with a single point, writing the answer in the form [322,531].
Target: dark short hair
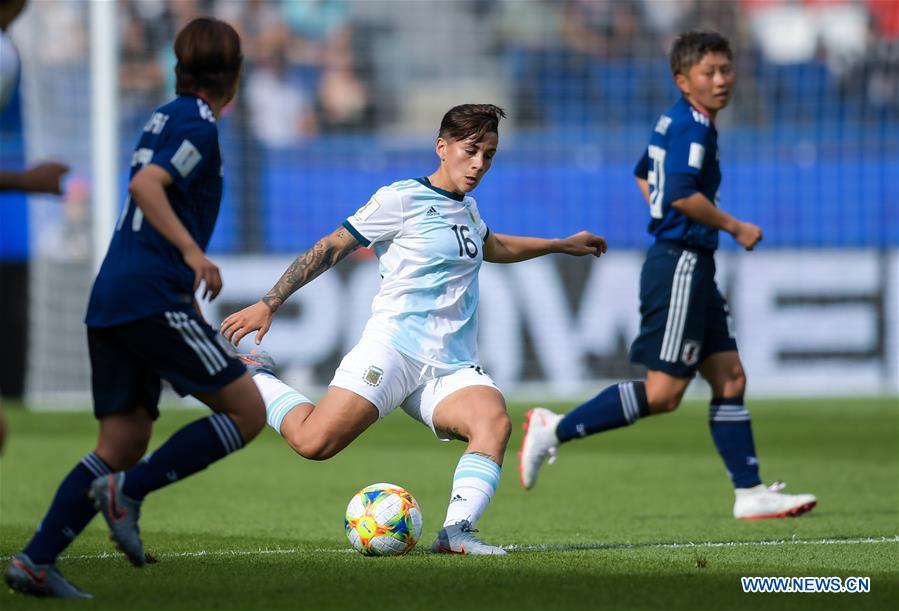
[470,121]
[690,47]
[209,58]
[9,10]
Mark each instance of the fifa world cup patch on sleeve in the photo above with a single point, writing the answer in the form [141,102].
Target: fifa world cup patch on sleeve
[373,375]
[663,124]
[186,158]
[697,155]
[367,210]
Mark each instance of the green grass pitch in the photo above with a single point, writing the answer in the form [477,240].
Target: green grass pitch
[264,528]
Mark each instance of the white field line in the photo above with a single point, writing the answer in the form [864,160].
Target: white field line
[561,547]
[702,544]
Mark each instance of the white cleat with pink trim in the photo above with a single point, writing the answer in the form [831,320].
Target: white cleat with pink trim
[763,501]
[539,443]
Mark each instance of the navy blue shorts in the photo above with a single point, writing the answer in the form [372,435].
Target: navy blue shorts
[684,318]
[129,360]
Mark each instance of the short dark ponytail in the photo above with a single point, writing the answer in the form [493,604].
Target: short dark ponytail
[209,58]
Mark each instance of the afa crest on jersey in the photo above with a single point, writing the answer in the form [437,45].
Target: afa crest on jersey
[373,375]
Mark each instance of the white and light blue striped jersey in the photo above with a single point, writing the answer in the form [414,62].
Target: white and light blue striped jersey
[430,246]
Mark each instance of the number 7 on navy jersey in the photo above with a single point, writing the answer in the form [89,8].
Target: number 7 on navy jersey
[140,158]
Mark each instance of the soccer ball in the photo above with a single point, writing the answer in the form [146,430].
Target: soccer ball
[383,520]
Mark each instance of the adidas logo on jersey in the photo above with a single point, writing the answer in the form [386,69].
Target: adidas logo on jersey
[432,211]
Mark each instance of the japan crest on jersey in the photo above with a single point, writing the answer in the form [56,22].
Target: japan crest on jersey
[690,352]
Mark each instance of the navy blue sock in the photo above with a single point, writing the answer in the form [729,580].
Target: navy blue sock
[192,448]
[69,512]
[616,406]
[732,432]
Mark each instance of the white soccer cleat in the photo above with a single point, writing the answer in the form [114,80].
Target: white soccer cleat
[459,538]
[539,442]
[763,501]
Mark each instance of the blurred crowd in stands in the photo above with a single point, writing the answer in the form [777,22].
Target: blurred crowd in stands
[336,66]
[302,72]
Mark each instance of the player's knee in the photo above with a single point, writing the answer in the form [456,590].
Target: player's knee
[317,452]
[314,448]
[732,385]
[293,441]
[736,386]
[256,422]
[504,427]
[124,438]
[495,427]
[663,404]
[249,423]
[122,454]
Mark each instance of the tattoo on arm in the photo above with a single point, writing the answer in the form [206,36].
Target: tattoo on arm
[326,253]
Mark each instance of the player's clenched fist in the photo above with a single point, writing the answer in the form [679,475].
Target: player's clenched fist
[748,235]
[584,243]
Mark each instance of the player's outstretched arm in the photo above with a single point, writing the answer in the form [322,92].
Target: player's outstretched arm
[699,208]
[500,248]
[42,178]
[326,253]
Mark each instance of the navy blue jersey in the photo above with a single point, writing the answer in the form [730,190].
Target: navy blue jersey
[681,159]
[143,273]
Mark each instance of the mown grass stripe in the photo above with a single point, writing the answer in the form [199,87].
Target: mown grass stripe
[549,547]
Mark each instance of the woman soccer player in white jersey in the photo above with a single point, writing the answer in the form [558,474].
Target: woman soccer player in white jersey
[419,348]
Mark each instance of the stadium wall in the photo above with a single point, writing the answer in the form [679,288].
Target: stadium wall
[805,192]
[808,322]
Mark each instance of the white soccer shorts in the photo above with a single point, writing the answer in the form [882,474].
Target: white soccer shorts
[390,379]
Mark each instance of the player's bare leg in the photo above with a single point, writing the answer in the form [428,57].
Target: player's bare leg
[319,432]
[724,373]
[476,414]
[664,392]
[316,433]
[124,438]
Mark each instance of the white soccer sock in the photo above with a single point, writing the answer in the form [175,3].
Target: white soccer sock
[474,483]
[279,398]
